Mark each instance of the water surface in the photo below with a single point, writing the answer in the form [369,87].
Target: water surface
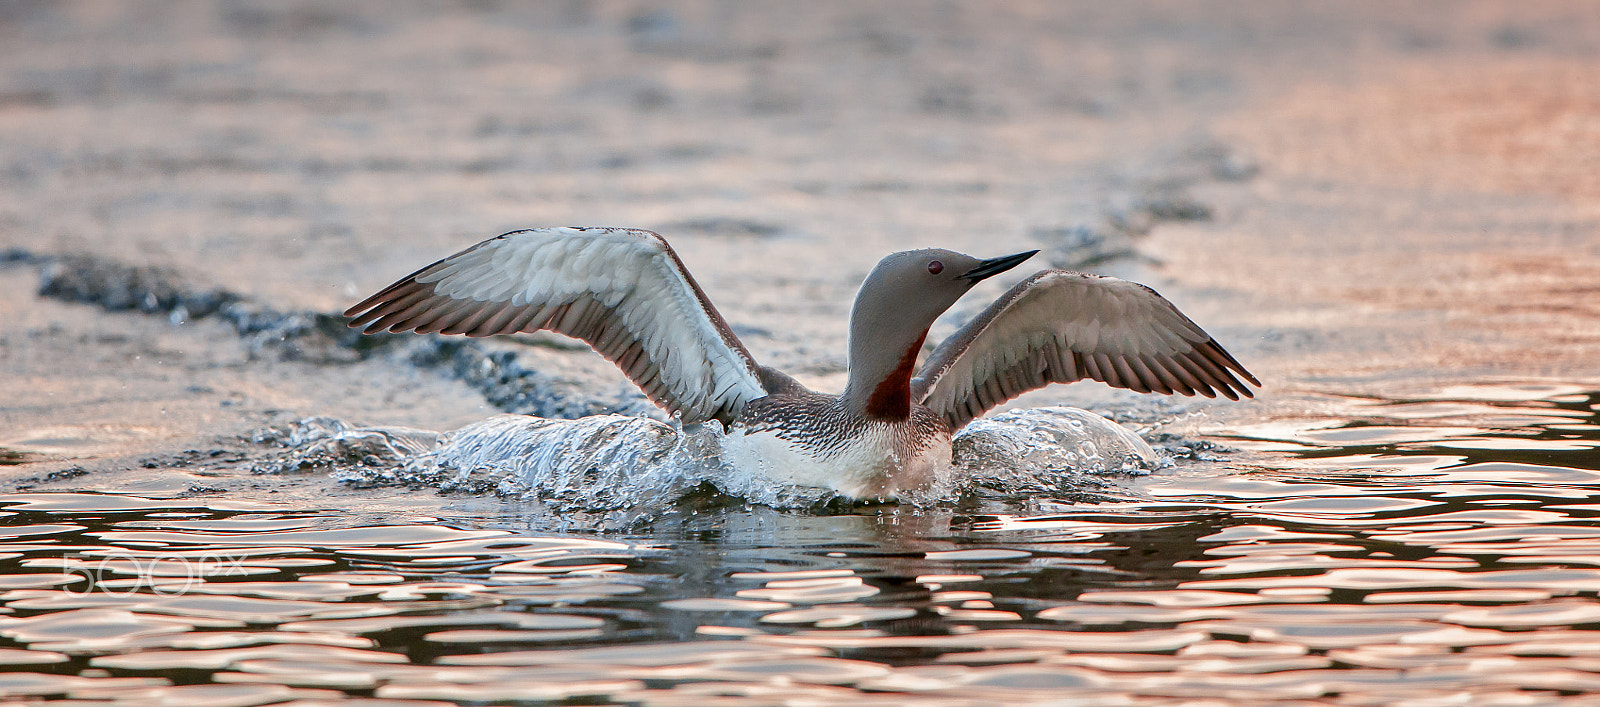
[1437,549]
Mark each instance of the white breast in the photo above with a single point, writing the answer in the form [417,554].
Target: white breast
[870,466]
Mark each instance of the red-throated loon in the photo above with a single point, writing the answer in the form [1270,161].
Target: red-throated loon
[626,293]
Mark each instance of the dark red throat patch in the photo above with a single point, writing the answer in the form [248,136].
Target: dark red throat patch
[892,398]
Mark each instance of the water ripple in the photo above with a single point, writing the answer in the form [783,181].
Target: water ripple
[1379,557]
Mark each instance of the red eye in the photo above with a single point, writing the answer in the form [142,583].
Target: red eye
[936,267]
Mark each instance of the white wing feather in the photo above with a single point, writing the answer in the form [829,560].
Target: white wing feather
[622,291]
[1060,326]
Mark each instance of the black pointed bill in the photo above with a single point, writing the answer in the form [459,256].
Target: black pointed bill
[995,266]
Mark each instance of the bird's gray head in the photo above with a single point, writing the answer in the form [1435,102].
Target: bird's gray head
[900,299]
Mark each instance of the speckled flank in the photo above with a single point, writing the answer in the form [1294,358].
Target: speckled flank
[815,439]
[822,424]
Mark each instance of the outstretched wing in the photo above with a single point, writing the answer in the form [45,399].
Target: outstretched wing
[622,291]
[1059,327]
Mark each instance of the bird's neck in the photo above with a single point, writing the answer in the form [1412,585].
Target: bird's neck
[880,379]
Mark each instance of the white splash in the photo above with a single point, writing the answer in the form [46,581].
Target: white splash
[1054,439]
[602,462]
[1050,449]
[614,462]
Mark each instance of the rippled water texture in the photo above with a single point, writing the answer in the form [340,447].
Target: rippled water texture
[1440,549]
